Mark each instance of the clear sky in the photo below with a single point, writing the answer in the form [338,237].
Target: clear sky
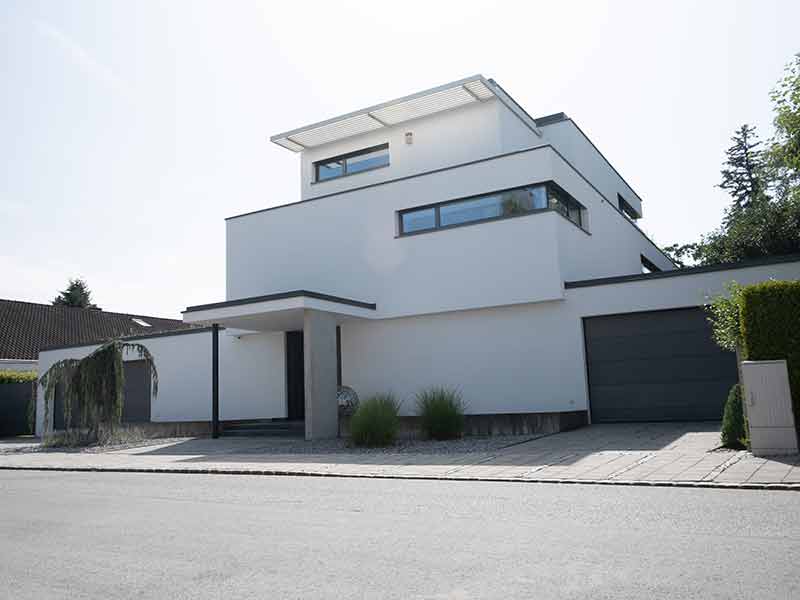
[130,130]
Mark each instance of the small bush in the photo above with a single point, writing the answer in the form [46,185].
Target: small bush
[734,430]
[17,376]
[441,413]
[376,421]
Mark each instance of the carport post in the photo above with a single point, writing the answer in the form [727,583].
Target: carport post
[215,380]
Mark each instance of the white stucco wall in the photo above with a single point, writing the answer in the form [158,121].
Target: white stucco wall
[567,138]
[615,245]
[252,376]
[514,359]
[347,246]
[472,132]
[10,364]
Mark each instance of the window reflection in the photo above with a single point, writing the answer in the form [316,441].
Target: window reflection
[508,203]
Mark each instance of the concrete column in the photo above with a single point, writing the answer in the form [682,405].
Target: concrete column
[319,354]
[215,380]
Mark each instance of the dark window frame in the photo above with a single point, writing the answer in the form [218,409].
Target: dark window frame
[626,208]
[649,264]
[549,185]
[344,157]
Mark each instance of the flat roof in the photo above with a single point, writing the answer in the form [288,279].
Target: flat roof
[756,262]
[282,296]
[470,90]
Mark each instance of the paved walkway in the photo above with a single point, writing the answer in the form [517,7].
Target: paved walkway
[656,453]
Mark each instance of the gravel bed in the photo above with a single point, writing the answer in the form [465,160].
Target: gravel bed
[466,445]
[277,445]
[91,449]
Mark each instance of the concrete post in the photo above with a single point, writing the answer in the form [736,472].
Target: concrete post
[319,354]
[215,380]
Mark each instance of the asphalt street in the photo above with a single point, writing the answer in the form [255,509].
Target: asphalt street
[106,535]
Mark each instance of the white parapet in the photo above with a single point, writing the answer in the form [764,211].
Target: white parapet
[768,405]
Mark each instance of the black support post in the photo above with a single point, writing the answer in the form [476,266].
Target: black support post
[215,380]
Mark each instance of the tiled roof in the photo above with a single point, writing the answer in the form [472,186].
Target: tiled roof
[26,327]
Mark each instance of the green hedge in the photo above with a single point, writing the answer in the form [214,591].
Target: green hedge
[17,376]
[770,322]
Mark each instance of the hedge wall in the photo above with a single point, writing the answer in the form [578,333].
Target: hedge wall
[17,376]
[770,322]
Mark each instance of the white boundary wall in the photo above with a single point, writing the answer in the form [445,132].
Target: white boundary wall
[11,364]
[252,376]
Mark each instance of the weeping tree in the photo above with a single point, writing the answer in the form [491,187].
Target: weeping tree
[93,386]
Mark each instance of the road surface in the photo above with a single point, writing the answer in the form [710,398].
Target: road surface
[106,535]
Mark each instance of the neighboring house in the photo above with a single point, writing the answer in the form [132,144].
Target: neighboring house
[449,238]
[27,328]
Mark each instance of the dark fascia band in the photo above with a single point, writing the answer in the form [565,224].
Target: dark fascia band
[282,296]
[772,260]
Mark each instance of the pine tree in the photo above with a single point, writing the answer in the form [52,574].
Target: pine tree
[76,294]
[744,171]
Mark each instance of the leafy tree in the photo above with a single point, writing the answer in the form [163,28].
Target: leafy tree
[784,151]
[764,216]
[770,228]
[76,294]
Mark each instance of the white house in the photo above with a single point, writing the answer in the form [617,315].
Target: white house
[449,238]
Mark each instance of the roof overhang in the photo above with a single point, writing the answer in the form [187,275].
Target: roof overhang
[471,90]
[276,312]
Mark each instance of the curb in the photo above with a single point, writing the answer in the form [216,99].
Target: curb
[795,487]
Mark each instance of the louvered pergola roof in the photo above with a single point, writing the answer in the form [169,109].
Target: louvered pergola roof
[452,95]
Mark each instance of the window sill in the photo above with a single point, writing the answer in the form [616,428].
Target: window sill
[340,177]
[492,220]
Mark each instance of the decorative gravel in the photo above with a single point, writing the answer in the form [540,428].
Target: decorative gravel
[278,445]
[90,449]
[466,445]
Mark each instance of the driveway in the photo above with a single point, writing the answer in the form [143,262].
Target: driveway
[642,453]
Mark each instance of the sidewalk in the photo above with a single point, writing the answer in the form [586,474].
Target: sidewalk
[637,454]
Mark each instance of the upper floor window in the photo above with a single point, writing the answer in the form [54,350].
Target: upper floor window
[353,162]
[648,266]
[626,208]
[486,207]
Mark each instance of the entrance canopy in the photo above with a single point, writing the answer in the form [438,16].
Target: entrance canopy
[276,312]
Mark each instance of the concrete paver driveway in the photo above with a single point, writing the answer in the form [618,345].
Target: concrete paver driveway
[655,453]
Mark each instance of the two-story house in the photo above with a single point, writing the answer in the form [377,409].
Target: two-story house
[449,238]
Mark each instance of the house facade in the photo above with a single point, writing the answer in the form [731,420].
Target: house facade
[449,238]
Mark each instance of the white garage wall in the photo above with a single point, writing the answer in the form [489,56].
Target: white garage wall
[516,359]
[252,376]
[504,360]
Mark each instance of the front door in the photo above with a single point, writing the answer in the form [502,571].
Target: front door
[295,379]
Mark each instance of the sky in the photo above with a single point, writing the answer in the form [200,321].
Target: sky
[130,130]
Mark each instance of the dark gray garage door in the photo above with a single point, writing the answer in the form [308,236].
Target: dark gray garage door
[656,366]
[137,392]
[137,397]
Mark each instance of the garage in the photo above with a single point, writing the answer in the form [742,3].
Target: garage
[136,408]
[656,366]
